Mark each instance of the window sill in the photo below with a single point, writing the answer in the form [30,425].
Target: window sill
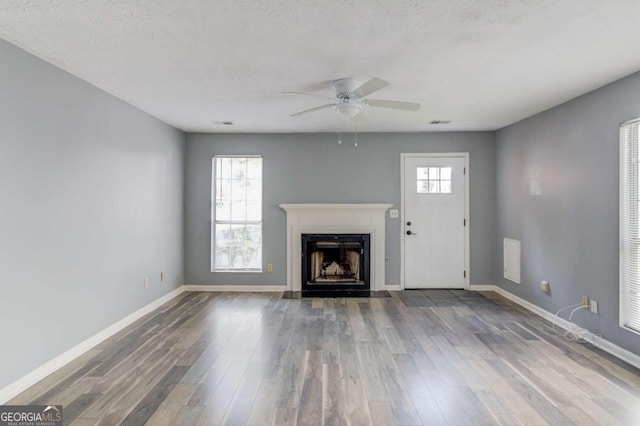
[627,328]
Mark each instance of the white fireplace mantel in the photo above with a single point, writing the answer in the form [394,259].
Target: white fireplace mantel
[335,219]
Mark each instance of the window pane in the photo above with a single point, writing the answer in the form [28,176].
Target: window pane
[238,210]
[242,246]
[254,168]
[222,202]
[445,173]
[221,249]
[434,187]
[434,173]
[223,189]
[223,167]
[253,246]
[239,168]
[423,186]
[254,189]
[423,172]
[223,210]
[238,189]
[218,191]
[445,187]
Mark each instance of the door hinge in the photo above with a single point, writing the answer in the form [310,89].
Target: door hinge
[465,274]
[464,222]
[464,170]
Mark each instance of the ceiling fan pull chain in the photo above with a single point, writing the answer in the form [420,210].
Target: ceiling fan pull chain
[356,124]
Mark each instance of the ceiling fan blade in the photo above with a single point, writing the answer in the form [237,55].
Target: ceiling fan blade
[307,111]
[381,103]
[309,94]
[370,86]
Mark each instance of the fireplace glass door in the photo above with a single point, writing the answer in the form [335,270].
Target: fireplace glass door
[335,262]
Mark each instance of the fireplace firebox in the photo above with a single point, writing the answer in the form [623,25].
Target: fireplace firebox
[335,264]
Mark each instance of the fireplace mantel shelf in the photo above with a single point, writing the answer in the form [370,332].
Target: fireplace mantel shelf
[329,206]
[351,218]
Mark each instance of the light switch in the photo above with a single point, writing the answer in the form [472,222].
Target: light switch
[393,213]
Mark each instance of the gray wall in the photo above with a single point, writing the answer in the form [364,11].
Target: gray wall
[90,203]
[309,168]
[568,229]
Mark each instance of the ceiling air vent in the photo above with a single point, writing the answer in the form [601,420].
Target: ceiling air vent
[440,121]
[223,123]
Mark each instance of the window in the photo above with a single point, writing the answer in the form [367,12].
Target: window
[434,180]
[629,227]
[236,214]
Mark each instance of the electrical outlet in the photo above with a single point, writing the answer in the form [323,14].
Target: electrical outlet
[585,301]
[161,276]
[594,306]
[269,267]
[146,282]
[394,213]
[544,286]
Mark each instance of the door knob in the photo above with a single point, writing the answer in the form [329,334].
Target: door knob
[411,233]
[408,223]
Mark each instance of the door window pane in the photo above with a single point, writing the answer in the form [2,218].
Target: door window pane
[434,180]
[445,173]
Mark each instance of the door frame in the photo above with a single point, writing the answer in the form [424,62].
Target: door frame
[465,156]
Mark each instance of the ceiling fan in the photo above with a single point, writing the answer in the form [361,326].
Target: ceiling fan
[350,98]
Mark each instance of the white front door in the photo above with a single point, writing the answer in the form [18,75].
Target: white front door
[434,222]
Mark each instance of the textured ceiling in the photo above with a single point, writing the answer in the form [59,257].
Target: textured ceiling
[481,63]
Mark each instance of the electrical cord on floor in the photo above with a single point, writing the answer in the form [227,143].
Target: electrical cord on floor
[574,331]
[557,314]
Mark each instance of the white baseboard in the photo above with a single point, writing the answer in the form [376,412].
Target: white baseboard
[617,351]
[392,287]
[237,288]
[603,344]
[13,389]
[483,288]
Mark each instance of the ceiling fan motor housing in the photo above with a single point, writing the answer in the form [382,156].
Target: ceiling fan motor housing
[349,104]
[345,87]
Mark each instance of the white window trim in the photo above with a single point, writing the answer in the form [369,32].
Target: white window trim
[212,265]
[623,214]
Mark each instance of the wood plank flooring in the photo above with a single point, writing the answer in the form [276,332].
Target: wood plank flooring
[432,357]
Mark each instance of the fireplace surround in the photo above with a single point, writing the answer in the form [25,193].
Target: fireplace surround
[338,219]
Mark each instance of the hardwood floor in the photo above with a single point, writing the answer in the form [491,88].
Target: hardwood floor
[418,357]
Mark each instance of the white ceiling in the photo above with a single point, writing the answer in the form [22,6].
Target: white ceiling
[481,63]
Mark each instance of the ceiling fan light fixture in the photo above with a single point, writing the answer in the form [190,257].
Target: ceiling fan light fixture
[348,110]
